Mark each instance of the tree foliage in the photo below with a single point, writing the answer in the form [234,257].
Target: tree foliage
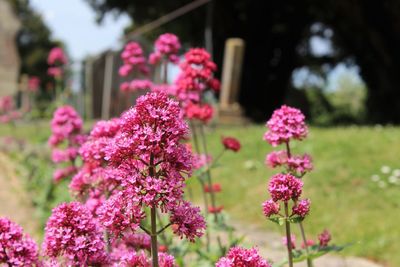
[277,35]
[33,40]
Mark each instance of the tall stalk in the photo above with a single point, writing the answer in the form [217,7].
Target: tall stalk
[303,234]
[208,171]
[197,149]
[288,236]
[153,219]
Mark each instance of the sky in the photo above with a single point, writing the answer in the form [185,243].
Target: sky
[74,22]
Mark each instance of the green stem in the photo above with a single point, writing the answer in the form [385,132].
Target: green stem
[208,171]
[303,235]
[288,236]
[197,149]
[153,219]
[154,245]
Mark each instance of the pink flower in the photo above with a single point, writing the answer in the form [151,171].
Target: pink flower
[154,58]
[73,234]
[60,174]
[167,45]
[133,59]
[137,241]
[309,243]
[6,104]
[187,221]
[214,210]
[66,122]
[129,258]
[57,56]
[292,239]
[124,70]
[285,187]
[203,112]
[119,213]
[238,257]
[231,143]
[201,160]
[136,85]
[197,71]
[55,72]
[152,131]
[286,123]
[216,188]
[324,238]
[68,154]
[16,248]
[300,164]
[106,128]
[276,158]
[33,83]
[302,208]
[270,208]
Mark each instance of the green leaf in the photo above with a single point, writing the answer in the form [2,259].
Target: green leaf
[296,219]
[278,220]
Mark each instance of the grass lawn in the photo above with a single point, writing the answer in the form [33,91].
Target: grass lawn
[344,199]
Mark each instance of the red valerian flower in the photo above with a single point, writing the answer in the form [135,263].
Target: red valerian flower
[231,143]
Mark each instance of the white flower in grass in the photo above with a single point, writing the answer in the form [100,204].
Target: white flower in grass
[393,179]
[385,169]
[375,178]
[381,184]
[396,172]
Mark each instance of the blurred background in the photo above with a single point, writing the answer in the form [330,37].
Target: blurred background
[335,60]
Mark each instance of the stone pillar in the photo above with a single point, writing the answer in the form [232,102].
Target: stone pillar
[107,86]
[9,59]
[25,97]
[229,108]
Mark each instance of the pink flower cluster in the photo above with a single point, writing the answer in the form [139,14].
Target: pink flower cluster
[7,110]
[238,257]
[302,208]
[66,128]
[136,85]
[6,104]
[120,213]
[285,124]
[95,179]
[74,235]
[148,156]
[33,84]
[133,59]
[187,221]
[285,187]
[167,45]
[16,248]
[324,238]
[55,72]
[57,57]
[200,112]
[196,76]
[129,258]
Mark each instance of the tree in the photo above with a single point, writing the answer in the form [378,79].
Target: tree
[34,41]
[277,35]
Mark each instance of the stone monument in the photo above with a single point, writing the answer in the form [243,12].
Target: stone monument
[230,111]
[9,59]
